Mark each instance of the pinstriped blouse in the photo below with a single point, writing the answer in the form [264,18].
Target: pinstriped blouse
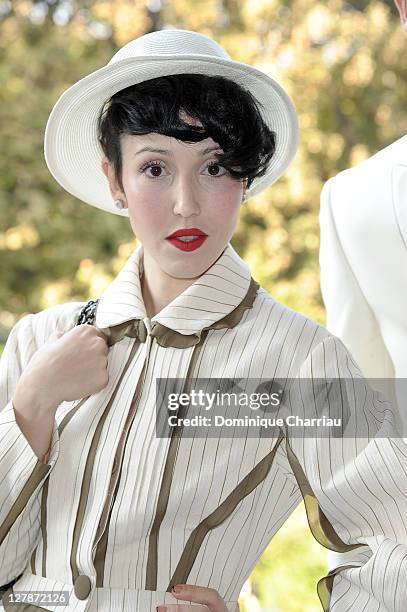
[117,515]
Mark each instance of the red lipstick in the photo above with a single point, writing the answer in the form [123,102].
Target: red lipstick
[194,238]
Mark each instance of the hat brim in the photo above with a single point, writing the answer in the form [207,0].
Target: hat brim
[73,153]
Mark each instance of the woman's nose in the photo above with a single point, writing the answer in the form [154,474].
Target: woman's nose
[186,198]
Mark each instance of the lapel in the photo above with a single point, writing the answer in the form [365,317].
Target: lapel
[217,299]
[399,185]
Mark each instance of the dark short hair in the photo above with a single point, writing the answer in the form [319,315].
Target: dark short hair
[229,114]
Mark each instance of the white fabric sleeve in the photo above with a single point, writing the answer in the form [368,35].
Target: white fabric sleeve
[354,482]
[22,474]
[348,313]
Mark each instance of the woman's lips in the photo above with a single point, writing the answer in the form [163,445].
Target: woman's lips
[187,238]
[191,245]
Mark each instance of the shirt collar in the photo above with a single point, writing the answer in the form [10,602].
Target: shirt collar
[210,298]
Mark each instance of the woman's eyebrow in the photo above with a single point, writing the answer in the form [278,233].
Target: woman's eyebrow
[168,152]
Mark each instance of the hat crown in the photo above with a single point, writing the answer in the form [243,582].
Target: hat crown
[170,42]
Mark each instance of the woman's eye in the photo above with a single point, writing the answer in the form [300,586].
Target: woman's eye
[155,167]
[214,168]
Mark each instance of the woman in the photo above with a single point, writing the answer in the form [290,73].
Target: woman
[175,135]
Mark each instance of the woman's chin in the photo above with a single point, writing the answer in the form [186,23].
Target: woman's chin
[186,265]
[186,271]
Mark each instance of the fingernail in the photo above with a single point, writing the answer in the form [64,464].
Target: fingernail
[161,609]
[177,588]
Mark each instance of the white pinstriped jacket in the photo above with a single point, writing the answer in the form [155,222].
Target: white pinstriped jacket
[116,516]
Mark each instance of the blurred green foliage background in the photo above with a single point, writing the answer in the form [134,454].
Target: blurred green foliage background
[343,63]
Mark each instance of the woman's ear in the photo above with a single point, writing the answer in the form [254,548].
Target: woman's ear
[108,171]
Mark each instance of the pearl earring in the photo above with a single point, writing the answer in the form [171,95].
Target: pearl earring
[119,204]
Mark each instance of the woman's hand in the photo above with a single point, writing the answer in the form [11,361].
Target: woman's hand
[66,368]
[201,595]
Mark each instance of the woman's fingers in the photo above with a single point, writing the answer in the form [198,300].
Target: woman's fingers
[202,595]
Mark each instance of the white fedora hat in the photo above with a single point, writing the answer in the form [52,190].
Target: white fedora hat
[72,151]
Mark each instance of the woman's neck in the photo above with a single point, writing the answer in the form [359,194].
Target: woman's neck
[164,288]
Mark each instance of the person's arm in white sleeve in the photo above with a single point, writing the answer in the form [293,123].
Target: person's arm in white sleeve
[22,473]
[348,314]
[354,482]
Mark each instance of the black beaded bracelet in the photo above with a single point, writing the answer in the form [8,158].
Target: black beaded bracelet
[88,313]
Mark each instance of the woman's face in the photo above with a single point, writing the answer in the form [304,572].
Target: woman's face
[176,185]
